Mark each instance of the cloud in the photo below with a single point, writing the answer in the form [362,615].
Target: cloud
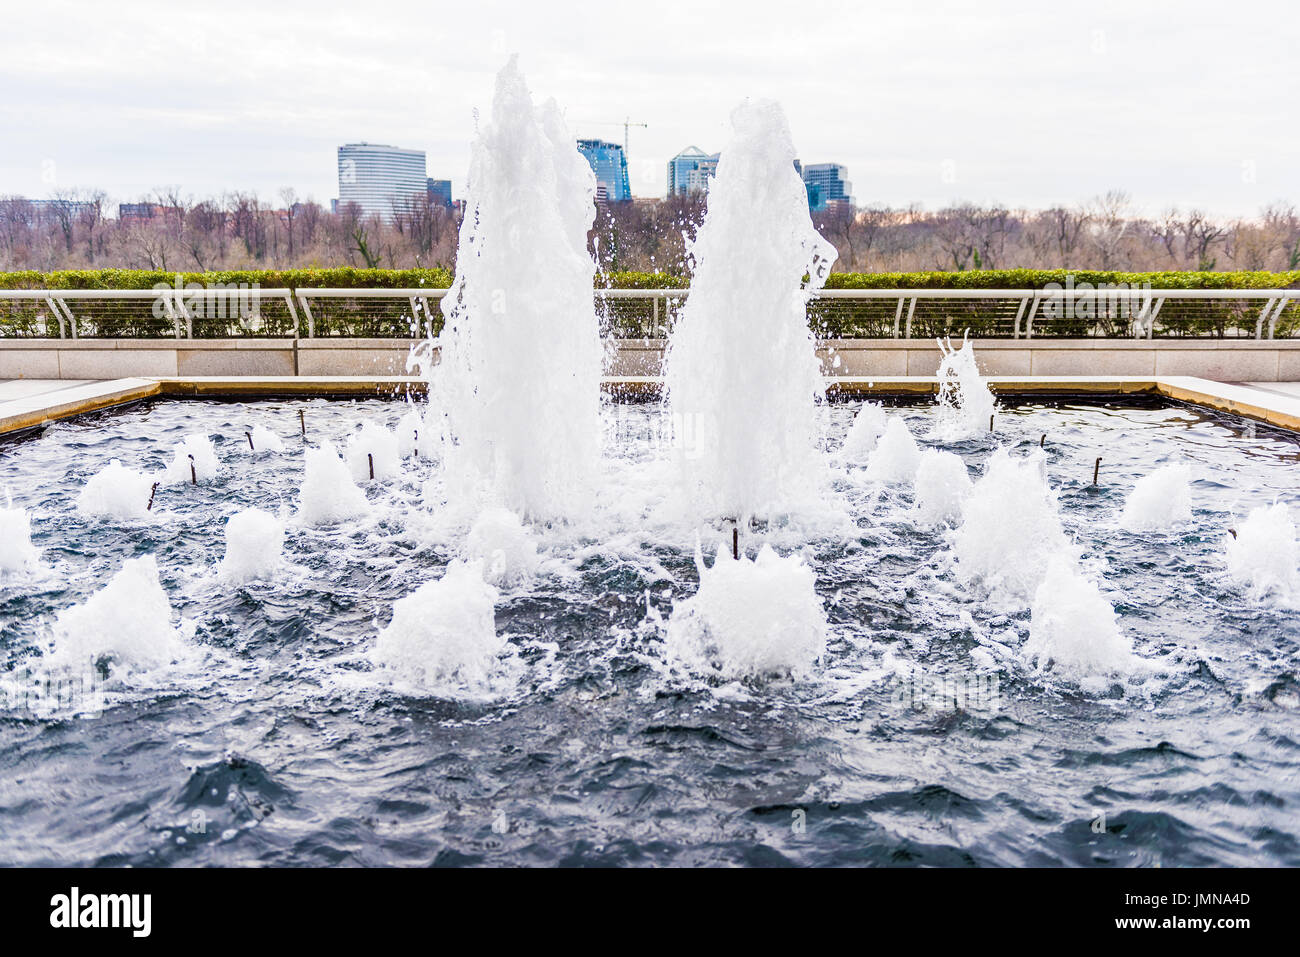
[1029,103]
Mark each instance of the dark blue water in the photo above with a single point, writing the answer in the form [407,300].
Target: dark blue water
[277,749]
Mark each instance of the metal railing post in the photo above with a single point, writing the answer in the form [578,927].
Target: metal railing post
[1277,314]
[1263,316]
[311,320]
[1029,321]
[58,314]
[1020,314]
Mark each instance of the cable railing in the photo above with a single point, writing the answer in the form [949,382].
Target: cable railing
[244,312]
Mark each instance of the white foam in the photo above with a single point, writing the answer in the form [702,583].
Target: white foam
[127,623]
[896,456]
[501,543]
[254,542]
[868,425]
[1159,500]
[750,618]
[741,372]
[264,440]
[1264,555]
[443,638]
[205,465]
[1073,629]
[1010,528]
[413,439]
[966,404]
[942,484]
[372,443]
[17,553]
[328,493]
[116,492]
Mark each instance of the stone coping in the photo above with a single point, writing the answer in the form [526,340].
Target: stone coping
[29,412]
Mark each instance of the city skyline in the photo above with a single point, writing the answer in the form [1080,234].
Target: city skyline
[934,105]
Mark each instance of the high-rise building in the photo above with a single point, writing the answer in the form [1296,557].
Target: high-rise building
[609,163]
[440,192]
[377,178]
[828,186]
[690,171]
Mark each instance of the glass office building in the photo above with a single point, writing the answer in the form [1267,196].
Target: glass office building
[440,192]
[377,178]
[828,185]
[609,164]
[690,171]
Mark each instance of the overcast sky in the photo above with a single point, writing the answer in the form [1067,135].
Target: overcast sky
[1022,103]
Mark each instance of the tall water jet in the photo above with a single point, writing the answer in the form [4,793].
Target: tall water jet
[741,373]
[518,379]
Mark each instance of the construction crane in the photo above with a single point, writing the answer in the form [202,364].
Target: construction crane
[627,124]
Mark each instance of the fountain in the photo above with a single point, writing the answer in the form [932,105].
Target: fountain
[1263,554]
[17,554]
[1010,529]
[509,646]
[443,638]
[896,456]
[1073,629]
[126,626]
[1159,500]
[750,618]
[195,460]
[116,492]
[965,405]
[254,543]
[328,493]
[516,388]
[741,374]
[942,485]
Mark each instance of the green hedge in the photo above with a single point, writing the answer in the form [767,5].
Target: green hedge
[857,318]
[344,277]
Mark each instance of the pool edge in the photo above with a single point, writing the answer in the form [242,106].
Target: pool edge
[20,415]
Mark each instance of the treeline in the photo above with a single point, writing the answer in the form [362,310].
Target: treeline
[346,277]
[75,231]
[171,233]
